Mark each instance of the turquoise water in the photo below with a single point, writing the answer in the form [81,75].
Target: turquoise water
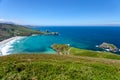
[40,43]
[80,37]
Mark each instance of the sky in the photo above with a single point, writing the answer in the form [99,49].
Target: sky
[61,12]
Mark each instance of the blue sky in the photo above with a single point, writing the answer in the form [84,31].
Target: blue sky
[61,12]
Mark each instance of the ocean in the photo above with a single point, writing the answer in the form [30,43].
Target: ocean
[82,37]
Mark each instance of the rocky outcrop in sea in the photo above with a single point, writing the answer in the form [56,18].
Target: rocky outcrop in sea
[108,47]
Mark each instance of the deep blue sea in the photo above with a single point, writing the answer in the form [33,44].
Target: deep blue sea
[79,37]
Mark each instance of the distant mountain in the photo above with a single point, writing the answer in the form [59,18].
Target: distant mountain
[29,26]
[8,30]
[1,22]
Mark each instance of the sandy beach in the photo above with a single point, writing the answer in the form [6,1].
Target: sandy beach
[5,45]
[7,40]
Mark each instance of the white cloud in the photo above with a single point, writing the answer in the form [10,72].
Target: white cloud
[22,22]
[5,20]
[12,21]
[1,19]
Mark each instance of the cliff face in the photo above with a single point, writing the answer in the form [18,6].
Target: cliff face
[109,47]
[11,30]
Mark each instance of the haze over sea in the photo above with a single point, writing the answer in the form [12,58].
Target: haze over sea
[79,37]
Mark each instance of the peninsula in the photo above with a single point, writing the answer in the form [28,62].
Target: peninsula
[12,30]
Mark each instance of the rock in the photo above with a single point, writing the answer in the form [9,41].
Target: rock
[54,33]
[61,48]
[51,33]
[108,47]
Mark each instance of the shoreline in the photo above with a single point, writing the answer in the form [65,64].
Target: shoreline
[5,45]
[7,40]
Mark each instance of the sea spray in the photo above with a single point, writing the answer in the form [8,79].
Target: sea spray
[6,48]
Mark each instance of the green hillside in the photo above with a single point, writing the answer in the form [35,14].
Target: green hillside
[78,65]
[95,54]
[10,30]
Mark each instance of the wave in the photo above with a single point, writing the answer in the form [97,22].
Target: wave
[6,48]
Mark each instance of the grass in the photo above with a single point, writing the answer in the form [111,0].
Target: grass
[97,54]
[57,67]
[78,65]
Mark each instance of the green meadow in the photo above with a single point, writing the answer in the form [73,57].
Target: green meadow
[78,65]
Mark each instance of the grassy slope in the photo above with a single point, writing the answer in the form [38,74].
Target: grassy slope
[97,54]
[10,30]
[60,67]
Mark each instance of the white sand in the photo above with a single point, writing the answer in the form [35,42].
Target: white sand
[6,45]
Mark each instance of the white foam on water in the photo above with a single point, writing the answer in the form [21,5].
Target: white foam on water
[107,49]
[97,46]
[7,48]
[119,49]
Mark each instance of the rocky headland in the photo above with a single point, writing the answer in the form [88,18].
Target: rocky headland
[108,47]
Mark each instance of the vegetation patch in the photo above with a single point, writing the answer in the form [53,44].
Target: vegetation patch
[57,67]
[11,30]
[97,54]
